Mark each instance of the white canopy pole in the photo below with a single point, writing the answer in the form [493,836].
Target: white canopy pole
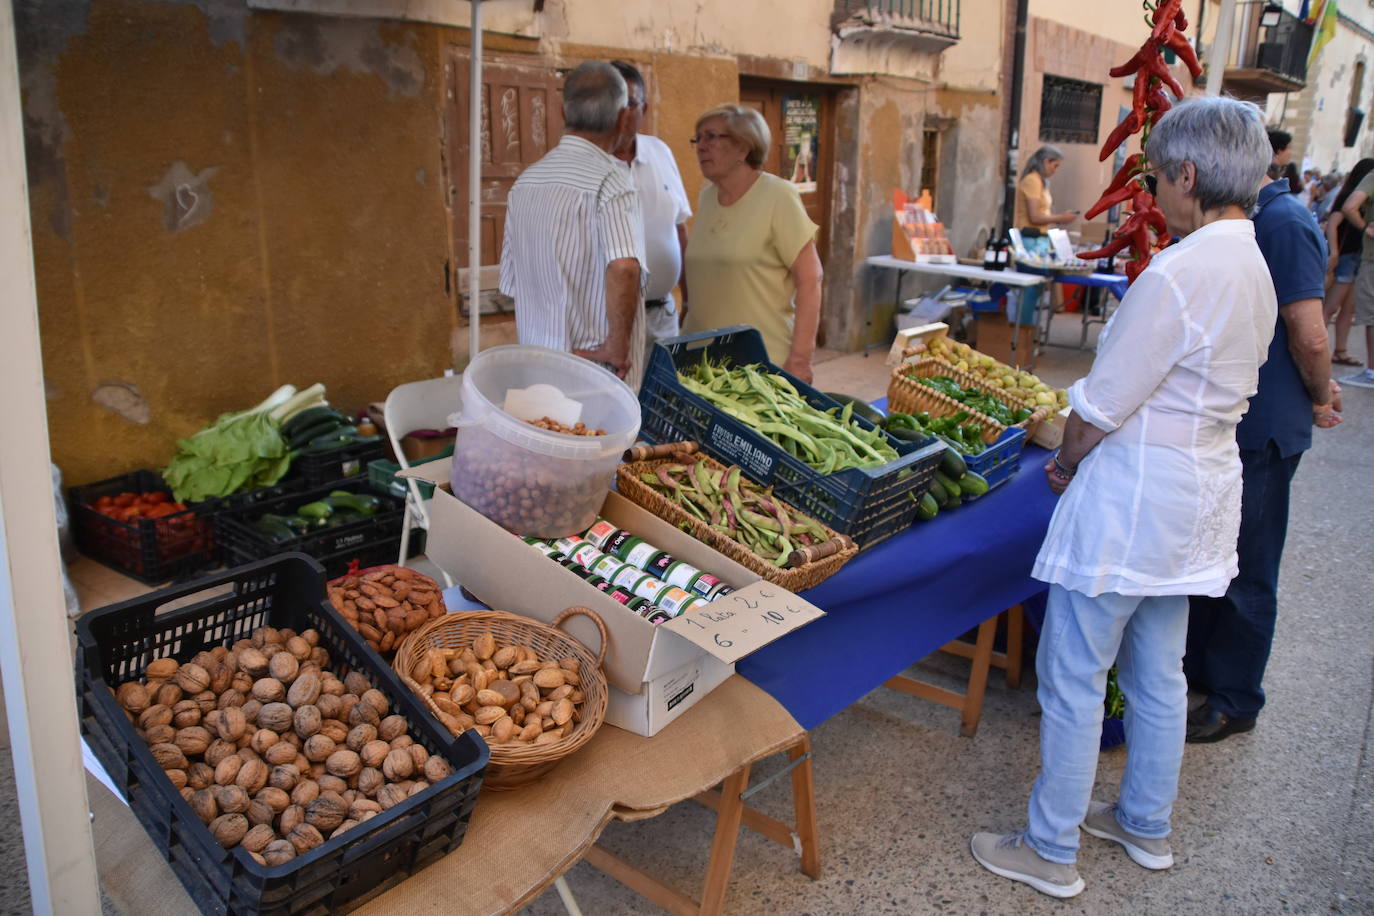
[475,183]
[1220,51]
[35,652]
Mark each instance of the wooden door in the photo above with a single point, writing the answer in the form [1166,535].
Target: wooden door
[799,117]
[522,119]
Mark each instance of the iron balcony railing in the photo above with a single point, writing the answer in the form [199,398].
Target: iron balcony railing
[937,16]
[1268,37]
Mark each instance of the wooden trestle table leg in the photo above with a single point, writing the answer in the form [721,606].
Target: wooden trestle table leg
[970,703]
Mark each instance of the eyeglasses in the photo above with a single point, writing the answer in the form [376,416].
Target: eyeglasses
[707,136]
[1152,185]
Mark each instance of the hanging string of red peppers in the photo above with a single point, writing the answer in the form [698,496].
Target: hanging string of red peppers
[1148,104]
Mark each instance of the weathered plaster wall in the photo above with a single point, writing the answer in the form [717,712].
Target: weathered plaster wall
[975,62]
[222,202]
[1316,116]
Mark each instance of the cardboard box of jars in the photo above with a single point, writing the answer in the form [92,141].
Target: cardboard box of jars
[656,672]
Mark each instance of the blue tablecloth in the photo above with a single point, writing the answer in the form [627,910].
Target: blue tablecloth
[907,597]
[1116,284]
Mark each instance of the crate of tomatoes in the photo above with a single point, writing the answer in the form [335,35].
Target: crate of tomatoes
[132,524]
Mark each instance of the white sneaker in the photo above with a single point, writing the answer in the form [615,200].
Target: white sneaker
[1363,379]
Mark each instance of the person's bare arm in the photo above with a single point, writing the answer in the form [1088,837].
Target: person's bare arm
[622,299]
[1308,345]
[1080,438]
[1351,209]
[1333,248]
[806,274]
[682,275]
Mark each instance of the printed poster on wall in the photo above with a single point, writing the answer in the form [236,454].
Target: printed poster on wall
[801,119]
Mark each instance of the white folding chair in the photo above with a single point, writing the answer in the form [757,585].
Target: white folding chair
[419,405]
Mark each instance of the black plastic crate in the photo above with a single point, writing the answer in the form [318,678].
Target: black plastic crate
[151,550]
[368,542]
[116,644]
[338,464]
[868,504]
[216,509]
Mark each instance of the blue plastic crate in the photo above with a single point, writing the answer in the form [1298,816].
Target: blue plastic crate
[1000,461]
[867,504]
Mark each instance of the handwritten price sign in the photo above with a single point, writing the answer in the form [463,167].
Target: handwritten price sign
[750,618]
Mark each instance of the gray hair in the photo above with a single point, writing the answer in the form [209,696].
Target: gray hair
[1226,142]
[593,96]
[1036,163]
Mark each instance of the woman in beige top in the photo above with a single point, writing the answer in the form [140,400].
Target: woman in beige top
[752,256]
[1034,205]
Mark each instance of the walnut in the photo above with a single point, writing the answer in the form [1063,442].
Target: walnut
[167,695]
[392,727]
[218,750]
[251,707]
[360,807]
[252,776]
[279,852]
[227,770]
[205,806]
[220,677]
[185,714]
[330,706]
[306,791]
[334,730]
[304,691]
[417,787]
[169,756]
[252,662]
[343,828]
[232,799]
[205,700]
[284,667]
[370,779]
[377,700]
[163,668]
[401,741]
[307,720]
[177,778]
[304,837]
[437,769]
[326,812]
[318,748]
[264,636]
[298,648]
[192,678]
[274,798]
[193,741]
[389,796]
[419,756]
[200,776]
[242,683]
[229,829]
[232,724]
[359,736]
[153,716]
[344,763]
[374,752]
[319,656]
[160,734]
[276,716]
[263,739]
[260,813]
[232,699]
[331,783]
[363,714]
[290,818]
[331,685]
[256,839]
[283,776]
[283,752]
[268,690]
[357,683]
[398,765]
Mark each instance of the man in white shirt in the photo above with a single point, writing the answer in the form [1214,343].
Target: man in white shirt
[663,203]
[574,243]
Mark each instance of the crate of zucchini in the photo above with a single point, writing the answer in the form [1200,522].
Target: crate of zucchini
[718,388]
[337,524]
[327,446]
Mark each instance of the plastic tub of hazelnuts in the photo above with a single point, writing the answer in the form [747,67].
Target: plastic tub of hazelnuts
[274,760]
[534,475]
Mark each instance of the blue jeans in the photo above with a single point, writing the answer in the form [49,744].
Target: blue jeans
[1229,637]
[1081,638]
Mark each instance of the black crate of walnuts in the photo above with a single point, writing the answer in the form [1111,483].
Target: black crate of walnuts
[274,760]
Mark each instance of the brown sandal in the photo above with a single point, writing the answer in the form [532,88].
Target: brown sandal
[1343,358]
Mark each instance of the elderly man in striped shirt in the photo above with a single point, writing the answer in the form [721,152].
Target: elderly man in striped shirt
[574,244]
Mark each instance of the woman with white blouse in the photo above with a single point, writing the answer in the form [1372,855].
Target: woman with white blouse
[1151,481]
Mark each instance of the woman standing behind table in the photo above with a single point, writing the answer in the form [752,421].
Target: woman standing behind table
[1034,203]
[751,258]
[1156,513]
[1343,243]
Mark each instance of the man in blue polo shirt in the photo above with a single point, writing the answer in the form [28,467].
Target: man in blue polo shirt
[1229,637]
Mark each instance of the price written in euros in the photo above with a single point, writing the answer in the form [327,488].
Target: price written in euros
[737,624]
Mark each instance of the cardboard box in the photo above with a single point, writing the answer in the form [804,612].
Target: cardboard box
[1050,433]
[665,698]
[506,573]
[995,339]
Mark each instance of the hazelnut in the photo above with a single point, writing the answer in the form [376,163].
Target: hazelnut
[229,829]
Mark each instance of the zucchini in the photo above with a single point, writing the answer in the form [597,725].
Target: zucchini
[342,500]
[927,508]
[952,464]
[309,417]
[950,486]
[907,435]
[338,438]
[861,407]
[304,435]
[276,529]
[940,493]
[973,484]
[317,509]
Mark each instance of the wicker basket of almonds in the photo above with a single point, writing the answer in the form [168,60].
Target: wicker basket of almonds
[386,603]
[529,689]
